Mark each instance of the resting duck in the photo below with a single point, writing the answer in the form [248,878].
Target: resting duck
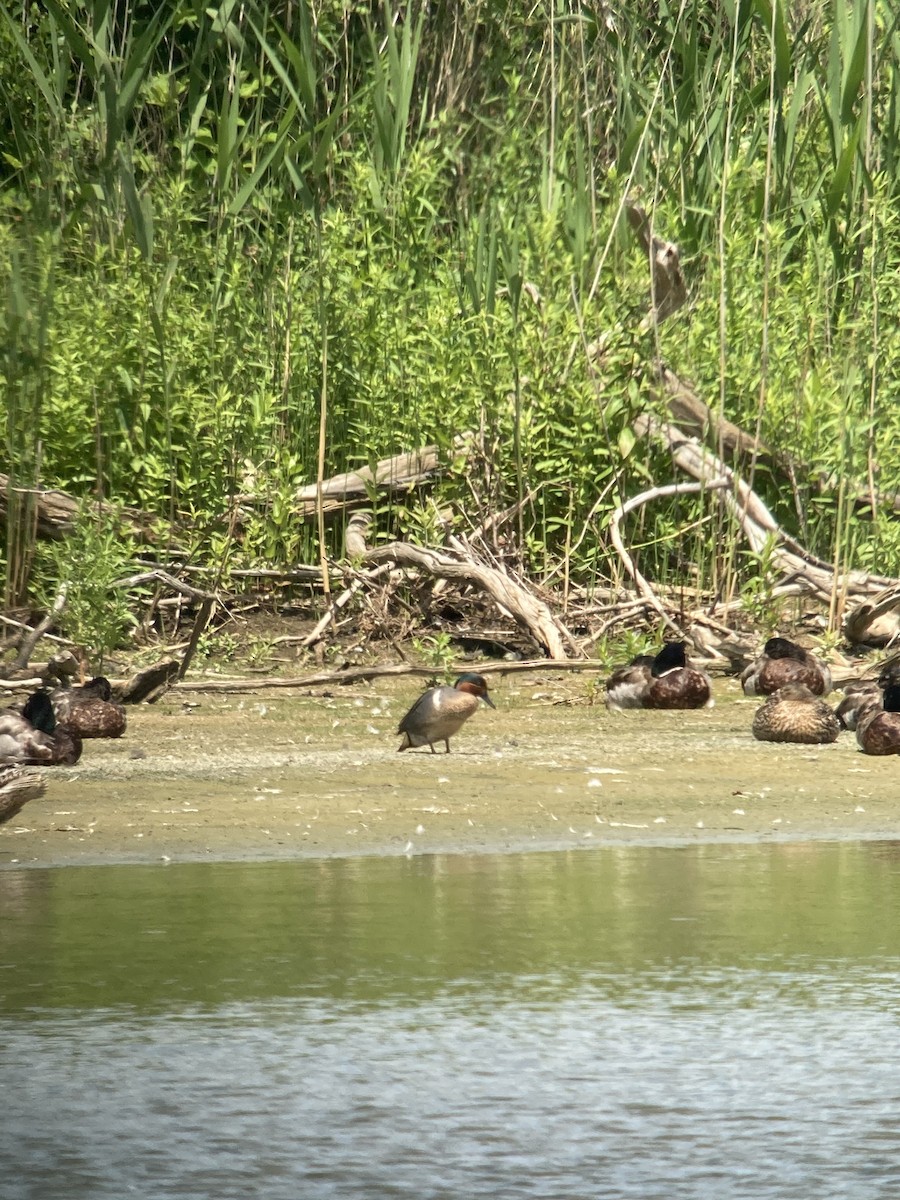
[858,697]
[33,736]
[89,711]
[784,662]
[878,728]
[626,686]
[795,714]
[441,712]
[667,681]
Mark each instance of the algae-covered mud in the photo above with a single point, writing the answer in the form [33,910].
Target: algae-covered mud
[277,775]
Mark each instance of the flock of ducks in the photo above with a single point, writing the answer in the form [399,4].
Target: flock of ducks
[793,681]
[51,725]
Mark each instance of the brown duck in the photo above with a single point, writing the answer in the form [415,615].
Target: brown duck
[674,683]
[783,662]
[33,736]
[626,686]
[89,710]
[878,727]
[795,714]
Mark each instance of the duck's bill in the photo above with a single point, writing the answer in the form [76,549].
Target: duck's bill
[489,701]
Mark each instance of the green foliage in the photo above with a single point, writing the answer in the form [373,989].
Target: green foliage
[87,563]
[436,650]
[216,223]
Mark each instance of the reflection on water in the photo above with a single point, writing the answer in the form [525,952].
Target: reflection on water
[635,1022]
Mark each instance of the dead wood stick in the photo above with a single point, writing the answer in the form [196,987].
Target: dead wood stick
[18,785]
[344,598]
[363,674]
[754,519]
[202,619]
[615,533]
[50,637]
[159,576]
[15,685]
[532,614]
[31,640]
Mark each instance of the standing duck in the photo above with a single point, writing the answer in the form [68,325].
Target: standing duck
[795,714]
[878,727]
[33,737]
[675,684]
[441,712]
[783,662]
[89,711]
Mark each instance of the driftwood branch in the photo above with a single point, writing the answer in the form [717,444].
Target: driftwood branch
[615,534]
[530,613]
[34,636]
[169,581]
[364,674]
[398,473]
[875,622]
[796,564]
[18,785]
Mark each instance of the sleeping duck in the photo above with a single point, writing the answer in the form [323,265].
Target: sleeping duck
[625,687]
[34,737]
[795,714]
[89,711]
[858,698]
[783,662]
[878,727]
[666,681]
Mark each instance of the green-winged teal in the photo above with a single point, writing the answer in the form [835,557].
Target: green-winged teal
[441,712]
[783,662]
[795,714]
[89,711]
[878,727]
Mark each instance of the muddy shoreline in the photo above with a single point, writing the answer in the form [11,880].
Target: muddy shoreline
[217,777]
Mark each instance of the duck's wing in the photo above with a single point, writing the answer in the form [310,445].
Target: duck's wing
[422,708]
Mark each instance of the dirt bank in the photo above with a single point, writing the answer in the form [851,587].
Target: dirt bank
[281,775]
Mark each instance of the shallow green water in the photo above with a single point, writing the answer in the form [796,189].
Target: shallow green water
[701,1022]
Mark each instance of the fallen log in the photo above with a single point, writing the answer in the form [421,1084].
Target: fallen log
[532,614]
[387,671]
[18,785]
[398,473]
[875,622]
[55,511]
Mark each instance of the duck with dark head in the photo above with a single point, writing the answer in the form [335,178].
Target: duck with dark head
[878,727]
[33,736]
[440,713]
[783,662]
[674,683]
[665,680]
